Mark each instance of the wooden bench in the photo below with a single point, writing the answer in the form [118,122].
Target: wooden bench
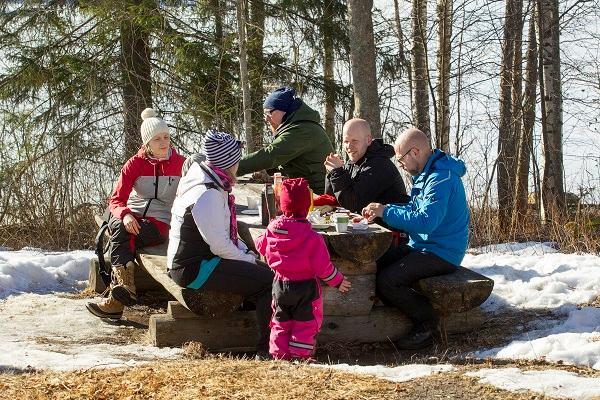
[143,280]
[457,292]
[152,275]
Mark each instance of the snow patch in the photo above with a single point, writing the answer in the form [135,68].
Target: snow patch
[51,332]
[401,373]
[33,270]
[574,341]
[553,383]
[545,280]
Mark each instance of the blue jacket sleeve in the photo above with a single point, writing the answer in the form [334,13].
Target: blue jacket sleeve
[426,211]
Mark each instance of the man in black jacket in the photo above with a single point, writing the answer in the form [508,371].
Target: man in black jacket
[369,175]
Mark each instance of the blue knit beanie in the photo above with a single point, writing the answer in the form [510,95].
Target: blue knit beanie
[283,99]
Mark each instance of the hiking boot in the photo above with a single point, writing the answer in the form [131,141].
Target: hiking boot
[420,337]
[107,308]
[123,288]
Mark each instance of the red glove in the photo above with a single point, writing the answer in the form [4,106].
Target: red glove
[325,200]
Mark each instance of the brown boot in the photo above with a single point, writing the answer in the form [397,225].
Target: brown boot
[107,308]
[124,287]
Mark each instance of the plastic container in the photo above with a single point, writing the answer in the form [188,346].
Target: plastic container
[277,183]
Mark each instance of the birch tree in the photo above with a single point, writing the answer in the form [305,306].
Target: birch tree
[442,128]
[420,68]
[526,137]
[507,137]
[553,194]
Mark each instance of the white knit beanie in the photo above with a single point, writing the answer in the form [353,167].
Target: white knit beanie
[152,125]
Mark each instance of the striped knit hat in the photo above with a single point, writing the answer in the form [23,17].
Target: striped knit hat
[221,149]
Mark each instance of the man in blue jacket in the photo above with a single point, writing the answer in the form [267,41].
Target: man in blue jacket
[437,220]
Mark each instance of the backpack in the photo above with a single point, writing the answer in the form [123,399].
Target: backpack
[101,248]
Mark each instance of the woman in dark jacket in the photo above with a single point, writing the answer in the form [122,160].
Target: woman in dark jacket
[205,251]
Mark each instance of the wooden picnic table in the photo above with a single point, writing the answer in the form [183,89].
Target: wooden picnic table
[210,318]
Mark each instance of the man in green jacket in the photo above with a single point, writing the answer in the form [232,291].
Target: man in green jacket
[300,145]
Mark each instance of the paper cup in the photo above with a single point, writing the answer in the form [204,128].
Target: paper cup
[341,227]
[341,222]
[252,202]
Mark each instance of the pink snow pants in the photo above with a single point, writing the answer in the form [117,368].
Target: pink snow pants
[297,317]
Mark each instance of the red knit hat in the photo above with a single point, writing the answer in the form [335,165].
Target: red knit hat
[294,197]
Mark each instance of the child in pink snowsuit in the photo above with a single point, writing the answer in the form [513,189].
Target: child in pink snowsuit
[299,257]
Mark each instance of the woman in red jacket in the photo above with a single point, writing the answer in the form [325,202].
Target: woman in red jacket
[140,210]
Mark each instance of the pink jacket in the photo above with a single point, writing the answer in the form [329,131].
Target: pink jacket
[296,252]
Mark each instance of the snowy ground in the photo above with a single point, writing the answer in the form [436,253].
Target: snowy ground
[42,328]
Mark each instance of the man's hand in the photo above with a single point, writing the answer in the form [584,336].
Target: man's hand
[344,286]
[332,162]
[131,224]
[372,211]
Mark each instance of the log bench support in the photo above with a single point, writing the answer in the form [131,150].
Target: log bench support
[237,331]
[455,296]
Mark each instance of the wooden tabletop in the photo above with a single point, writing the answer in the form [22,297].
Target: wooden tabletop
[356,245]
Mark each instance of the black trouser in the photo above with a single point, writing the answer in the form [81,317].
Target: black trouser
[251,281]
[122,243]
[293,300]
[398,269]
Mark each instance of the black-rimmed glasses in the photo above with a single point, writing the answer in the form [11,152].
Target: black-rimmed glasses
[399,159]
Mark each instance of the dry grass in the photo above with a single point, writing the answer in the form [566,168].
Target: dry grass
[578,230]
[593,303]
[201,375]
[50,235]
[86,293]
[229,378]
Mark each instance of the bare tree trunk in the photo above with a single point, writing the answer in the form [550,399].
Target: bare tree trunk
[218,14]
[507,138]
[137,82]
[442,128]
[526,138]
[420,72]
[404,61]
[517,76]
[362,58]
[553,194]
[517,98]
[256,65]
[328,62]
[215,8]
[458,141]
[241,25]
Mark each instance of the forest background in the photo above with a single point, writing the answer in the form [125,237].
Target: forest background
[512,87]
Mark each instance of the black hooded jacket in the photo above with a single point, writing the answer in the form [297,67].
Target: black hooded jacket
[372,179]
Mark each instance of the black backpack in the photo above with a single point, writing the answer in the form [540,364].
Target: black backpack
[101,248]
